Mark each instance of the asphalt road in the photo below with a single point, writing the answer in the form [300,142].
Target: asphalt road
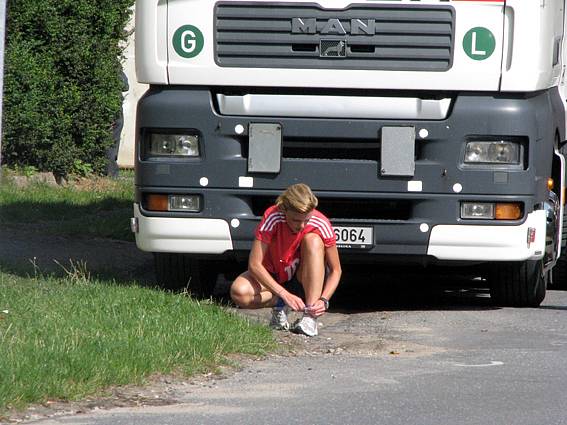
[414,355]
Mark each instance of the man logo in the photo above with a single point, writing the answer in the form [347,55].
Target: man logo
[333,26]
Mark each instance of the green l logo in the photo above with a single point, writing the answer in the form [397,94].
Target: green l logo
[188,41]
[479,43]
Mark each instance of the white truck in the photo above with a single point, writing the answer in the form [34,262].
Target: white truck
[432,131]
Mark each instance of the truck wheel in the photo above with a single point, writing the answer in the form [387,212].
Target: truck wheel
[178,271]
[518,284]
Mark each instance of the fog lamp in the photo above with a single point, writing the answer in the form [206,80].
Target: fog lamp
[477,210]
[491,210]
[189,203]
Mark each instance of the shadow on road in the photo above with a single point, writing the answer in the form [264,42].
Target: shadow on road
[363,288]
[369,289]
[29,252]
[553,307]
[411,289]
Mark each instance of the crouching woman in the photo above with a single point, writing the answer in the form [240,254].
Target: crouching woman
[294,262]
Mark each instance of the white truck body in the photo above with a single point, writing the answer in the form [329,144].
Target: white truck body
[520,62]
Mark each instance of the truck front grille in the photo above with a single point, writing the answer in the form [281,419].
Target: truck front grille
[305,35]
[348,208]
[329,149]
[325,149]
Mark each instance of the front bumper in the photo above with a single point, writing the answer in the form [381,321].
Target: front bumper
[489,243]
[184,235]
[440,242]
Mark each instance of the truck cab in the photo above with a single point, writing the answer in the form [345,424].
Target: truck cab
[432,132]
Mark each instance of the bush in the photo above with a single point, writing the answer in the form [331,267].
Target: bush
[62,87]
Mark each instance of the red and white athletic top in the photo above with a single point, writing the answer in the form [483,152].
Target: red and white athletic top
[283,256]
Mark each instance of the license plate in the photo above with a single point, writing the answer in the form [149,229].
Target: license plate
[354,237]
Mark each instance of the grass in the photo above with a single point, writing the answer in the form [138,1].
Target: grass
[97,207]
[65,338]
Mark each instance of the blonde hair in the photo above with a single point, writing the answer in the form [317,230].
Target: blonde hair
[299,198]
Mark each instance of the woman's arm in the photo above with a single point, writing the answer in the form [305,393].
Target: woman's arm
[332,278]
[334,272]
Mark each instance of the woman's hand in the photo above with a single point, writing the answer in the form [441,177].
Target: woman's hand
[292,301]
[317,309]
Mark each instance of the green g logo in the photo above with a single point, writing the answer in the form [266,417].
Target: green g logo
[188,41]
[479,43]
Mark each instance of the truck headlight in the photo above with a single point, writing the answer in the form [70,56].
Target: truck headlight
[492,152]
[186,145]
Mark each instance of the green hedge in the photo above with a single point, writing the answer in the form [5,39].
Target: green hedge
[62,86]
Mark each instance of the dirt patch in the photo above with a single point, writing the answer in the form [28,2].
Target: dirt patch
[349,334]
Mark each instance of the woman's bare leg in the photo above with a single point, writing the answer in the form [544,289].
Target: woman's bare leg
[311,272]
[246,292]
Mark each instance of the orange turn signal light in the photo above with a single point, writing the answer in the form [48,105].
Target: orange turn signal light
[550,183]
[157,202]
[508,211]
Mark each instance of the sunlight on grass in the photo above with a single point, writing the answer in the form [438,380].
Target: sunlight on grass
[66,338]
[98,207]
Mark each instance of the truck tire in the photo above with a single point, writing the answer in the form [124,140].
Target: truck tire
[520,284]
[178,271]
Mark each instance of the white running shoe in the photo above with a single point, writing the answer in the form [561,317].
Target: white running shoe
[307,325]
[279,319]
